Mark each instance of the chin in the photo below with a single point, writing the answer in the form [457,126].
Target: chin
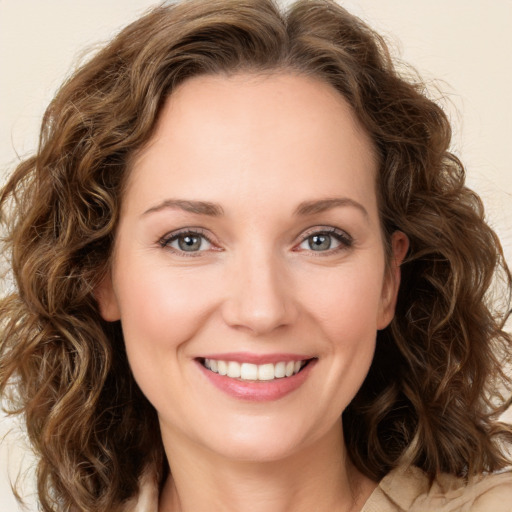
[259,452]
[263,441]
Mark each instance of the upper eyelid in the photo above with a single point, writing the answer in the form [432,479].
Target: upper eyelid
[345,240]
[183,231]
[191,229]
[325,229]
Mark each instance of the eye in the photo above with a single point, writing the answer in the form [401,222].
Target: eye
[325,240]
[186,241]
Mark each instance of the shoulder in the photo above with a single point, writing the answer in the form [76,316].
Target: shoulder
[410,490]
[495,495]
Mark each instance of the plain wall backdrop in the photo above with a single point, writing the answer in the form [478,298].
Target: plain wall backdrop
[464,44]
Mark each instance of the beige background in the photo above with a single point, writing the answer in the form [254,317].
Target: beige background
[464,43]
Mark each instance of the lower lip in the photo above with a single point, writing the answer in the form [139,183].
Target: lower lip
[258,391]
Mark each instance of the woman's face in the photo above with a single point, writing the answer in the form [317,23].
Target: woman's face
[249,242]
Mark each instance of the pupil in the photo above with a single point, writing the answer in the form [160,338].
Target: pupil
[320,242]
[189,243]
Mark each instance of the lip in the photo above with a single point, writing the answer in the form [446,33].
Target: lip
[258,391]
[246,357]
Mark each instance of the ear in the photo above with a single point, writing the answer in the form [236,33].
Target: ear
[399,248]
[107,300]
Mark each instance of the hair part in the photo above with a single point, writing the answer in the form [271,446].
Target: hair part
[430,396]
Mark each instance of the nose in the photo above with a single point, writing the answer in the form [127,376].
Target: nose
[260,296]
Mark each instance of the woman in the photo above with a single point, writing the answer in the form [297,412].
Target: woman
[250,276]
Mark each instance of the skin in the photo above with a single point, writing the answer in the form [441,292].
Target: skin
[258,147]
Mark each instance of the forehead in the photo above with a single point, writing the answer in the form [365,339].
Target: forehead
[279,131]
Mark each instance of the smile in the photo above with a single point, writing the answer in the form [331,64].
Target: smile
[254,372]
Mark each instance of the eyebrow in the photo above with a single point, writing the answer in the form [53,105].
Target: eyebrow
[215,210]
[322,205]
[199,207]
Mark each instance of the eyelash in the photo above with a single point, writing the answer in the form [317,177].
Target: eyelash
[345,240]
[166,240]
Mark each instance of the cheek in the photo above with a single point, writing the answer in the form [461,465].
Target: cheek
[160,310]
[345,302]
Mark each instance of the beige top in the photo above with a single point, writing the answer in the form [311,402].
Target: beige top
[409,490]
[406,491]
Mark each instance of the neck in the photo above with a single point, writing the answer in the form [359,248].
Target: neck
[319,477]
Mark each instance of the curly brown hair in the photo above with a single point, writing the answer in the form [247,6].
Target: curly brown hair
[432,396]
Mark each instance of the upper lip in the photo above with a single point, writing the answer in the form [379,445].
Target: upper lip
[246,357]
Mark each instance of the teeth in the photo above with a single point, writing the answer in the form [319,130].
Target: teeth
[233,369]
[249,371]
[222,367]
[280,370]
[266,372]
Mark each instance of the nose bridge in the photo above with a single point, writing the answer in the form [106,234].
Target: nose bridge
[259,296]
